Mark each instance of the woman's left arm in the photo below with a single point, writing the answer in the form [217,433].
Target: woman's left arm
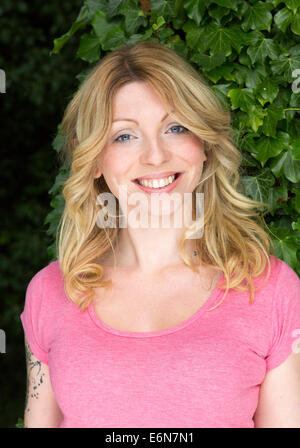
[279,397]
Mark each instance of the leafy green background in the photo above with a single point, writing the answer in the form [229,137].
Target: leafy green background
[248,51]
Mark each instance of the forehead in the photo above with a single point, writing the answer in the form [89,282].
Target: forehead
[136,97]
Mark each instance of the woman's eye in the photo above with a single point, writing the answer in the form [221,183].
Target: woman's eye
[178,126]
[117,140]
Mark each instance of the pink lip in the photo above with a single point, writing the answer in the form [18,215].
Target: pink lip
[157,175]
[166,189]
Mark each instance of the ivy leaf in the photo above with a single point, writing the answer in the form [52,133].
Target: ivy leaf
[248,160]
[134,16]
[58,204]
[266,91]
[285,165]
[277,163]
[263,47]
[296,200]
[285,246]
[295,101]
[196,36]
[195,10]
[274,114]
[255,117]
[268,147]
[208,62]
[89,48]
[295,26]
[245,75]
[160,22]
[296,224]
[95,5]
[293,128]
[244,58]
[59,181]
[283,18]
[114,39]
[223,71]
[291,167]
[218,13]
[295,149]
[293,4]
[232,4]
[244,100]
[80,22]
[241,98]
[277,194]
[59,140]
[139,37]
[287,63]
[102,27]
[257,187]
[113,8]
[258,17]
[164,8]
[221,91]
[221,39]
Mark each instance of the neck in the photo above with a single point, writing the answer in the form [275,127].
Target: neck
[150,250]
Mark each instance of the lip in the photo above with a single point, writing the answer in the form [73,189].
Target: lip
[157,175]
[166,189]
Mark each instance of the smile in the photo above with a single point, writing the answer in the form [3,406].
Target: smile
[165,184]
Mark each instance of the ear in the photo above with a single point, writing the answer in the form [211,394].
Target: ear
[98,171]
[98,174]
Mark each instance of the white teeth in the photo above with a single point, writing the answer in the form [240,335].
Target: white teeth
[157,183]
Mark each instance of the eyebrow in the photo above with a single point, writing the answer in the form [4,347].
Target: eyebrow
[130,119]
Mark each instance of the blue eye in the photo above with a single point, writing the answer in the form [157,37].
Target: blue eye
[178,126]
[122,141]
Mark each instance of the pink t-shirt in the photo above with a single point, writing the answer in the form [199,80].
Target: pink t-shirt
[204,372]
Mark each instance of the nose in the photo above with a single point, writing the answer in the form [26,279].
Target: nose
[155,152]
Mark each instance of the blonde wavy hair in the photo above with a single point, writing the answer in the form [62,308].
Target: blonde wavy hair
[234,240]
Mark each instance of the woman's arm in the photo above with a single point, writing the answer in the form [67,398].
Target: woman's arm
[41,409]
[279,398]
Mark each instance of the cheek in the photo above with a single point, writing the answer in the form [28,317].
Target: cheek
[193,152]
[113,167]
[114,170]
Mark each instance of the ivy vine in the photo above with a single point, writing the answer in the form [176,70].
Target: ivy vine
[250,54]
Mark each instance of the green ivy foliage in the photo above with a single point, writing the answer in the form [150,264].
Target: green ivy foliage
[249,52]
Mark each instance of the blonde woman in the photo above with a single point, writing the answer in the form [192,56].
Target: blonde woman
[191,325]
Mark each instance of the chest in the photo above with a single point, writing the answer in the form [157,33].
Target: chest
[137,304]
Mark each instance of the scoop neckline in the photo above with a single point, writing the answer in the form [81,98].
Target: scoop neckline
[215,294]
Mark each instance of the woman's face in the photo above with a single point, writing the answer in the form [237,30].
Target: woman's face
[144,140]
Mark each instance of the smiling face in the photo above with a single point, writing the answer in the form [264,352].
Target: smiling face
[153,142]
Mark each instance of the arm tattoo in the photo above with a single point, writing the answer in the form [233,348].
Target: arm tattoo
[34,375]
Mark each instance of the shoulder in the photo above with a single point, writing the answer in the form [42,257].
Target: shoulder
[285,273]
[284,279]
[49,275]
[281,276]
[46,287]
[51,272]
[273,290]
[286,284]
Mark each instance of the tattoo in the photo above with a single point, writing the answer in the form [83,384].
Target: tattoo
[33,374]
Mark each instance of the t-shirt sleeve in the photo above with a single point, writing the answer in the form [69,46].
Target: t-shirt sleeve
[285,317]
[32,318]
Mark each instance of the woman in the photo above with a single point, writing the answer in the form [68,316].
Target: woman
[190,325]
